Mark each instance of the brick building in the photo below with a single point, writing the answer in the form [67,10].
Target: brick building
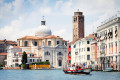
[78,25]
[4,44]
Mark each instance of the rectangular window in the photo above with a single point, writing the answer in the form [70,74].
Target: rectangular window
[47,60]
[30,60]
[69,54]
[26,43]
[76,53]
[70,61]
[88,57]
[43,43]
[58,42]
[16,64]
[49,43]
[37,60]
[66,43]
[88,42]
[116,46]
[19,43]
[63,43]
[88,48]
[116,43]
[40,60]
[74,46]
[35,43]
[69,46]
[80,43]
[33,60]
[109,45]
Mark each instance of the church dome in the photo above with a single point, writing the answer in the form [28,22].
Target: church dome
[43,30]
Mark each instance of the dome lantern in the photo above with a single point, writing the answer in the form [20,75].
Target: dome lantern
[43,30]
[43,21]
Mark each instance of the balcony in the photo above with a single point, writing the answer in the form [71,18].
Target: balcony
[16,60]
[102,55]
[60,55]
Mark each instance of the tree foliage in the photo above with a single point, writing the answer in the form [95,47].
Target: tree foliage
[102,52]
[24,58]
[1,65]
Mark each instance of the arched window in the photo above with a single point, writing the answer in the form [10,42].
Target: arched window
[60,53]
[47,53]
[26,43]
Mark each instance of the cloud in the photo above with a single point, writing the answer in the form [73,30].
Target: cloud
[45,10]
[18,6]
[24,23]
[19,17]
[63,33]
[58,4]
[13,31]
[60,32]
[8,10]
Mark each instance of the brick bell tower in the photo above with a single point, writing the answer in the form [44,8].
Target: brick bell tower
[78,25]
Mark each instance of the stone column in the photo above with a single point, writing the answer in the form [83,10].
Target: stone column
[118,59]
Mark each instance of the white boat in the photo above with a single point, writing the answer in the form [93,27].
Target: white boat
[108,69]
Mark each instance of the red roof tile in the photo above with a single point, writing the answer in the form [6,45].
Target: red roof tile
[8,42]
[16,47]
[30,37]
[3,54]
[52,37]
[90,36]
[26,53]
[75,41]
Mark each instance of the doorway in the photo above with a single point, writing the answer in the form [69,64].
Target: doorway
[59,62]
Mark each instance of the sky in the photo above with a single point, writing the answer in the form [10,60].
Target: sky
[20,18]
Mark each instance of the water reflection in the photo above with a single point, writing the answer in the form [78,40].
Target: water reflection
[55,75]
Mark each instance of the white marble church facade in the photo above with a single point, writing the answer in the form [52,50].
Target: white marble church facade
[46,46]
[55,55]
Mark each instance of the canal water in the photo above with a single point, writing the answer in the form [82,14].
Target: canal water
[55,75]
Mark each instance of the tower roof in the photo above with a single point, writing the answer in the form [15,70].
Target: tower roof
[78,12]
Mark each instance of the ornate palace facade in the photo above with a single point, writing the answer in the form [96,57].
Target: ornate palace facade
[108,44]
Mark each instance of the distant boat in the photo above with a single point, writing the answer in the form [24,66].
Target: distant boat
[78,71]
[1,68]
[108,69]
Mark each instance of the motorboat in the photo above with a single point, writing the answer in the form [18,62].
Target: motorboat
[77,71]
[1,68]
[108,69]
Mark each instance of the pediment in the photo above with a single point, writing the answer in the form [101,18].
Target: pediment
[61,46]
